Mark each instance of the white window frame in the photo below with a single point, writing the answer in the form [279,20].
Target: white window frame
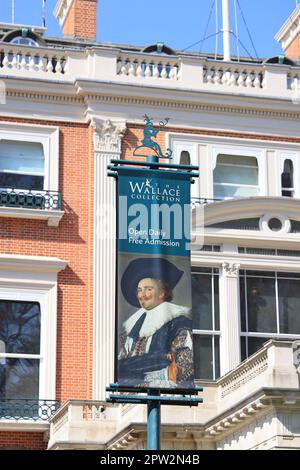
[241,151]
[294,157]
[204,151]
[34,279]
[45,135]
[23,295]
[262,334]
[48,136]
[213,332]
[192,149]
[248,262]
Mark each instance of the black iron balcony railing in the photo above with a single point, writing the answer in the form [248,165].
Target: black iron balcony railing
[30,199]
[27,409]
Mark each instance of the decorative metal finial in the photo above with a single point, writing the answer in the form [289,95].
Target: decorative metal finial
[150,133]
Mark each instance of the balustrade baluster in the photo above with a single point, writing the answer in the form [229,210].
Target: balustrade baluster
[249,81]
[49,66]
[256,82]
[155,71]
[139,70]
[148,71]
[131,69]
[58,67]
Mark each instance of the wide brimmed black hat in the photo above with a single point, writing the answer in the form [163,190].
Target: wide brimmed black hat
[141,268]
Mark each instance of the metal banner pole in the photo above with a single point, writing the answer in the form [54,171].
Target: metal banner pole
[153,423]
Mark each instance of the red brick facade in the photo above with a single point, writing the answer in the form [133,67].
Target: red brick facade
[81,20]
[71,241]
[12,440]
[293,51]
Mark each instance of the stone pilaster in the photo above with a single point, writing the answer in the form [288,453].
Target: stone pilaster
[230,317]
[107,145]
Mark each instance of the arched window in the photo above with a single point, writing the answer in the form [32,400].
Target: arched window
[287,179]
[24,41]
[185,158]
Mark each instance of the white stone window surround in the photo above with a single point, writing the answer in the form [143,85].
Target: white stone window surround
[230,262]
[35,279]
[217,150]
[202,148]
[274,335]
[48,136]
[294,157]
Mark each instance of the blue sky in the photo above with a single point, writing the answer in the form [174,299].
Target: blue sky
[177,23]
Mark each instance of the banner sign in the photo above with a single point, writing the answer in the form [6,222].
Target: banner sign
[155,347]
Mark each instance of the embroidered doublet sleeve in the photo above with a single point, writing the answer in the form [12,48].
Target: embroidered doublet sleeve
[181,348]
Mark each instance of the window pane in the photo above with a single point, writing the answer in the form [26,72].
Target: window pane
[242,304]
[217,356]
[254,344]
[221,192]
[203,359]
[20,327]
[243,348]
[237,160]
[17,181]
[216,302]
[261,305]
[25,157]
[235,171]
[289,306]
[235,175]
[19,378]
[185,158]
[202,301]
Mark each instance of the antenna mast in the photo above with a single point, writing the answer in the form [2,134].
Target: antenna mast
[44,14]
[226,30]
[13,11]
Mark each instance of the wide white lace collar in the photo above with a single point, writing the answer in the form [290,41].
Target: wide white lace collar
[156,317]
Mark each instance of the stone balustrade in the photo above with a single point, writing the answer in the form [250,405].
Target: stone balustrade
[23,60]
[232,401]
[185,72]
[235,75]
[148,67]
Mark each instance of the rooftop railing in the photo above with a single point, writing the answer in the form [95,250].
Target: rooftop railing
[175,71]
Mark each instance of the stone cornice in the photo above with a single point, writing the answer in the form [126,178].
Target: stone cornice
[290,29]
[108,135]
[117,100]
[198,107]
[69,93]
[32,263]
[36,96]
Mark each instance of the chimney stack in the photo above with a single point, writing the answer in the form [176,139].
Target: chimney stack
[289,35]
[77,18]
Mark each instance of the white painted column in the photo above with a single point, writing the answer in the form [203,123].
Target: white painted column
[107,145]
[229,317]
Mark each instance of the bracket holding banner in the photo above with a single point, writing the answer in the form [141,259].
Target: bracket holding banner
[154,400]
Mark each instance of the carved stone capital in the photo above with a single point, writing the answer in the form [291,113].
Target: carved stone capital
[231,269]
[108,135]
